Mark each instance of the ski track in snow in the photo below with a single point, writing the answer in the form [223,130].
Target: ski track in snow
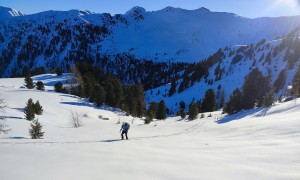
[186,131]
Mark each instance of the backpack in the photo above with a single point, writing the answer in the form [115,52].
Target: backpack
[126,127]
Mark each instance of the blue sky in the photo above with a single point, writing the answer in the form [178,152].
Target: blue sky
[246,8]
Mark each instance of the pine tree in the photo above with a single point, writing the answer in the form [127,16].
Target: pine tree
[182,104]
[182,113]
[234,104]
[172,88]
[296,84]
[209,101]
[38,109]
[266,88]
[26,71]
[58,87]
[280,81]
[152,109]
[58,71]
[29,82]
[255,88]
[36,130]
[110,96]
[148,119]
[268,99]
[99,95]
[193,111]
[40,85]
[161,110]
[29,110]
[222,100]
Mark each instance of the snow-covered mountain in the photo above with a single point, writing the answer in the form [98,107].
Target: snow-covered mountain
[153,48]
[255,144]
[8,13]
[53,38]
[226,70]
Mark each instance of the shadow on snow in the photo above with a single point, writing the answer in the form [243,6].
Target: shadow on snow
[257,112]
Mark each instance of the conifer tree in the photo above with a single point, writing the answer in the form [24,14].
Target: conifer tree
[268,99]
[148,119]
[58,71]
[29,110]
[255,88]
[40,85]
[182,113]
[222,100]
[266,87]
[29,82]
[26,71]
[38,109]
[161,110]
[172,88]
[193,111]
[99,95]
[36,130]
[280,81]
[234,104]
[182,104]
[152,109]
[58,87]
[296,84]
[209,101]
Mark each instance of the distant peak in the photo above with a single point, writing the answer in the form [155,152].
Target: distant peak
[80,12]
[136,10]
[203,9]
[6,12]
[170,8]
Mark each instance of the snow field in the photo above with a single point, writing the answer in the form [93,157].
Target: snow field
[256,144]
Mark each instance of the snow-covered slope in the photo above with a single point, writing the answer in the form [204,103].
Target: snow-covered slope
[7,13]
[255,144]
[228,72]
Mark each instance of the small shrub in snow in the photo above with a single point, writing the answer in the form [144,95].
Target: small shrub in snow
[40,85]
[3,126]
[148,120]
[75,120]
[58,87]
[181,113]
